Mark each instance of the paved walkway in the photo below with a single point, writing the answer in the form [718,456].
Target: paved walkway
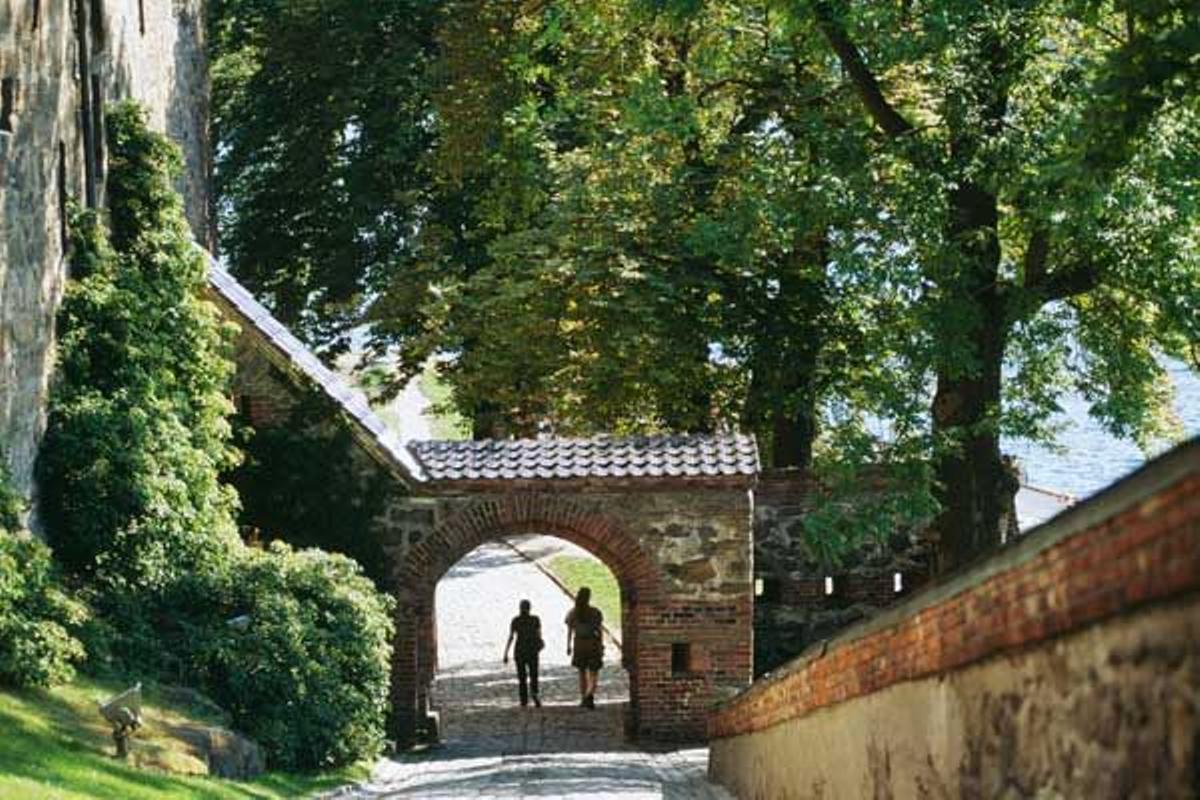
[495,749]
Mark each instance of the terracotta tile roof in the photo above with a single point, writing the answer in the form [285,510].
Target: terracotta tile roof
[287,347]
[685,456]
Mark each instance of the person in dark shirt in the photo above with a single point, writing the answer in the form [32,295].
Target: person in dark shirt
[527,630]
[585,626]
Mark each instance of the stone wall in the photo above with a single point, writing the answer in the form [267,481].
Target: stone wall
[60,64]
[801,600]
[327,491]
[1067,665]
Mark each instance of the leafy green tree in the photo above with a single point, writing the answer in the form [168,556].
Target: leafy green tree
[869,231]
[1035,166]
[321,119]
[138,426]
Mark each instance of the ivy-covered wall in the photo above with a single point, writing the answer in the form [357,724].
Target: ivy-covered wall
[304,479]
[61,65]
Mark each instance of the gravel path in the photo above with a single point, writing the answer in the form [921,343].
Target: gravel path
[495,749]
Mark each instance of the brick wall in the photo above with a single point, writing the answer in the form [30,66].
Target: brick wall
[1117,575]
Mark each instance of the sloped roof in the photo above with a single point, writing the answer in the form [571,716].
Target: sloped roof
[271,331]
[684,456]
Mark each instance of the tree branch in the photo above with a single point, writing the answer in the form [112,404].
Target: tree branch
[885,116]
[1076,279]
[1036,254]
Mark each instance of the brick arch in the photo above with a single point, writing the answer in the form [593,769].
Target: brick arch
[495,517]
[491,518]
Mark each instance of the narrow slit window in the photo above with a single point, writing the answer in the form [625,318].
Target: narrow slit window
[8,104]
[829,587]
[759,587]
[37,14]
[97,20]
[681,658]
[98,127]
[898,583]
[142,17]
[63,231]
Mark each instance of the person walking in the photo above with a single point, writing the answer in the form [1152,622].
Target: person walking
[526,628]
[585,627]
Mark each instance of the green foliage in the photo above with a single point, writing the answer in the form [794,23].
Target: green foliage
[38,620]
[308,675]
[131,474]
[304,481]
[321,121]
[137,427]
[791,217]
[12,506]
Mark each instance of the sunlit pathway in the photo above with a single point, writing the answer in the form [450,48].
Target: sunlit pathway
[495,749]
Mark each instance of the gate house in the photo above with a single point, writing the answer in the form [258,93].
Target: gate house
[669,515]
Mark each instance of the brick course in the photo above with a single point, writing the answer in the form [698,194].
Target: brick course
[1146,552]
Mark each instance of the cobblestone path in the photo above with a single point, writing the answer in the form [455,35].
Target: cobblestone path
[492,747]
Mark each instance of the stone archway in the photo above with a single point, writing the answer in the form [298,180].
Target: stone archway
[670,515]
[490,518]
[679,545]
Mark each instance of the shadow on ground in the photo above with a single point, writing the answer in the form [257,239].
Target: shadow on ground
[480,714]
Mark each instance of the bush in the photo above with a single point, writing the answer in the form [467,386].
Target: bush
[307,675]
[37,647]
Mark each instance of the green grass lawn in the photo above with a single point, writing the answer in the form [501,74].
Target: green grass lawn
[53,744]
[577,571]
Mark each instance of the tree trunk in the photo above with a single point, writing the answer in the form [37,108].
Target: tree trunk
[792,437]
[973,484]
[974,487]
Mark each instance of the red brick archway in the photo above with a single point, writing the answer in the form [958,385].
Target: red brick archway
[487,519]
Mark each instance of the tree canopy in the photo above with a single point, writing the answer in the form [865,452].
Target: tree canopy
[871,232]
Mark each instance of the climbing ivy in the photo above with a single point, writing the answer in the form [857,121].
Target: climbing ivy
[138,425]
[299,481]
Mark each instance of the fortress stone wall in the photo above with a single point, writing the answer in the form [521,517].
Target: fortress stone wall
[61,63]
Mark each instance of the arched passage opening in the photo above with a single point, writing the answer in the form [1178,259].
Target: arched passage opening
[474,696]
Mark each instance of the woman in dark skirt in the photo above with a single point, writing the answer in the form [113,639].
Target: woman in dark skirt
[585,626]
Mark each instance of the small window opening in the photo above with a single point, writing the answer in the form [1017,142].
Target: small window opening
[767,589]
[8,104]
[681,658]
[898,583]
[97,20]
[37,14]
[63,231]
[142,17]
[829,587]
